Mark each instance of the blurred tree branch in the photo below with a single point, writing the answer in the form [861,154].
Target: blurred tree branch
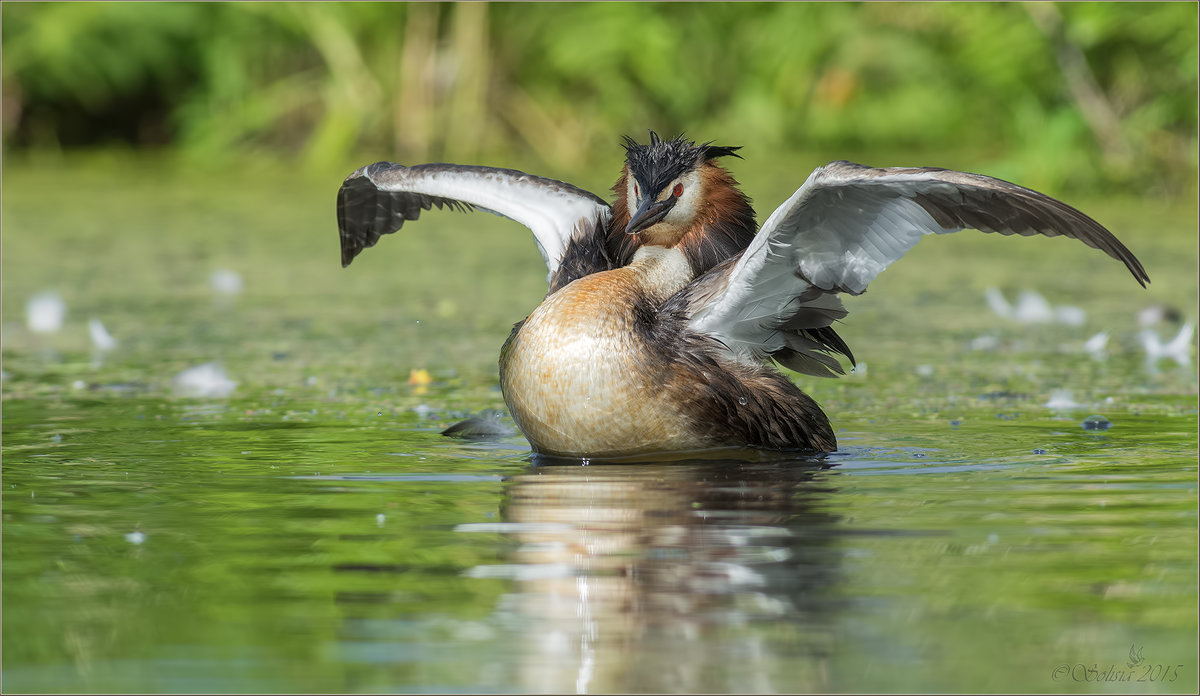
[412,107]
[1101,117]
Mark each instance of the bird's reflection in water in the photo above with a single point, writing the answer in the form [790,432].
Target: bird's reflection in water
[694,576]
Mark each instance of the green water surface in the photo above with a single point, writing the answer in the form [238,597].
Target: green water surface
[313,531]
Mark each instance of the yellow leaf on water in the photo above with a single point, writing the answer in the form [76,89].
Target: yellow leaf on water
[420,379]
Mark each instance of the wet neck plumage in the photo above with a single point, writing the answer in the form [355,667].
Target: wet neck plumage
[661,271]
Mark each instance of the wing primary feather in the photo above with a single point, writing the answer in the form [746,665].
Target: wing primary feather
[994,205]
[829,338]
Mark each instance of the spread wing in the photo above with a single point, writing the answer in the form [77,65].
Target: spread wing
[379,198]
[839,230]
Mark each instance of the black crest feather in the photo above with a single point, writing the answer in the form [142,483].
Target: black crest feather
[656,165]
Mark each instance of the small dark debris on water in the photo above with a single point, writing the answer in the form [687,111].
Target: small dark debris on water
[1039,451]
[1096,423]
[485,426]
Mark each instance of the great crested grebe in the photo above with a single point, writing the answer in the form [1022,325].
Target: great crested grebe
[665,309]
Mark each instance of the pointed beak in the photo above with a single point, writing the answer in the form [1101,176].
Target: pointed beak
[649,213]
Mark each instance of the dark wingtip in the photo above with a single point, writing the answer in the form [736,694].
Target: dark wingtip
[348,250]
[1138,271]
[1122,253]
[351,246]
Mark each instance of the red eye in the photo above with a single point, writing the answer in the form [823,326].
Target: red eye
[635,191]
[678,190]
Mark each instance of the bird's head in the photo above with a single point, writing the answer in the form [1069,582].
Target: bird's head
[673,193]
[666,186]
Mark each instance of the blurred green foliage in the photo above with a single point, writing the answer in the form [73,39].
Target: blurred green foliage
[1084,96]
